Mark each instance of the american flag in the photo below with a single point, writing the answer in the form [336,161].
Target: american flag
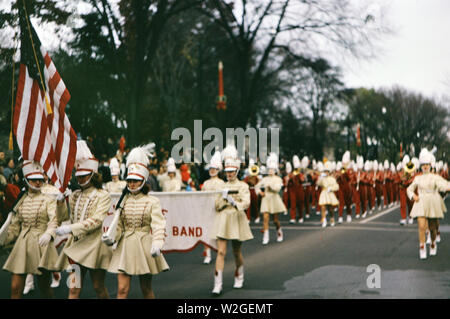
[42,129]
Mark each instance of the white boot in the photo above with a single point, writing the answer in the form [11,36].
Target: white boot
[29,284]
[292,221]
[300,221]
[56,278]
[340,220]
[217,290]
[279,235]
[410,220]
[257,220]
[433,249]
[402,222]
[207,259]
[349,218]
[438,237]
[239,277]
[324,223]
[364,214]
[265,237]
[423,252]
[428,238]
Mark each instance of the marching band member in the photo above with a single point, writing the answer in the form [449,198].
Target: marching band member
[172,183]
[88,208]
[252,179]
[271,203]
[406,178]
[306,183]
[33,230]
[214,183]
[377,185]
[298,204]
[427,205]
[327,198]
[116,185]
[368,181]
[358,187]
[345,191]
[290,191]
[231,223]
[140,231]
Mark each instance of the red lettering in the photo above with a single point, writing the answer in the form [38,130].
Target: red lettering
[191,231]
[175,230]
[183,231]
[198,231]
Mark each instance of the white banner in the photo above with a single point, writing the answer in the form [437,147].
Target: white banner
[189,219]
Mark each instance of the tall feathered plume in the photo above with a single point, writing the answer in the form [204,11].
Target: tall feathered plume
[229,152]
[83,151]
[140,154]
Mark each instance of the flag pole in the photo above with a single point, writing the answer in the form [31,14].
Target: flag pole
[49,108]
[11,142]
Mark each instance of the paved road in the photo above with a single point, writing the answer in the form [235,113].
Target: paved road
[311,263]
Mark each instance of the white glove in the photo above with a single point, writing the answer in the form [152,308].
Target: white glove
[225,193]
[231,200]
[155,251]
[63,230]
[107,241]
[45,239]
[329,190]
[62,196]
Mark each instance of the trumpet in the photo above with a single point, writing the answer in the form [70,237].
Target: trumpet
[296,171]
[409,167]
[253,170]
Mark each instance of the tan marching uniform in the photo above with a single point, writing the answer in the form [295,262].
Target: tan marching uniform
[84,245]
[35,216]
[115,187]
[271,202]
[141,223]
[162,178]
[49,189]
[329,186]
[430,204]
[231,223]
[171,185]
[213,184]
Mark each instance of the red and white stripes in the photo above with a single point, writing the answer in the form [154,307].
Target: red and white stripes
[46,138]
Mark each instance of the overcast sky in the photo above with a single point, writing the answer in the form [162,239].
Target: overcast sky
[417,56]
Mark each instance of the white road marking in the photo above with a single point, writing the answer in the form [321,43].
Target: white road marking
[387,211]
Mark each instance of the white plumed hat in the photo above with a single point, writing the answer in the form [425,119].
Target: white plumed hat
[230,158]
[328,166]
[386,164]
[32,170]
[296,162]
[425,157]
[114,166]
[305,161]
[85,163]
[288,167]
[346,159]
[272,161]
[406,160]
[216,161]
[137,162]
[360,162]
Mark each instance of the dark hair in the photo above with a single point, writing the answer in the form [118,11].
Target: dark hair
[145,189]
[97,180]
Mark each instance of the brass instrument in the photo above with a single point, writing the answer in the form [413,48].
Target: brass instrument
[409,167]
[253,170]
[296,171]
